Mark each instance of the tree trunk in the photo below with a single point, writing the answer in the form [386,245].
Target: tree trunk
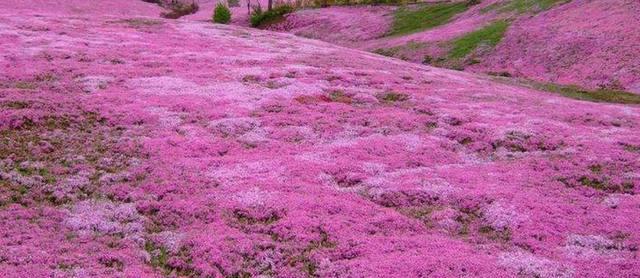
[270,5]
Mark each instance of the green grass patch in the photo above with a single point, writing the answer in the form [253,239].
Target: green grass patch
[575,92]
[221,14]
[402,52]
[488,35]
[407,21]
[523,6]
[600,95]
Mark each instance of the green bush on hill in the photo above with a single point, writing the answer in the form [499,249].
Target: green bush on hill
[221,14]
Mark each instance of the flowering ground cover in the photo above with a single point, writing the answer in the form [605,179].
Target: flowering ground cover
[591,44]
[134,146]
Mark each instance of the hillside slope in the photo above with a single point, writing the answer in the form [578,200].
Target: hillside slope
[593,44]
[139,147]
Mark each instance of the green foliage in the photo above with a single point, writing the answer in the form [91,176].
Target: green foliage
[458,57]
[576,92]
[261,18]
[600,95]
[221,14]
[489,35]
[523,6]
[407,21]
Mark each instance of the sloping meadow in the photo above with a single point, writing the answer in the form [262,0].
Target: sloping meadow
[146,147]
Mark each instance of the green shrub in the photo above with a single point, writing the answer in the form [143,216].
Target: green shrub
[221,14]
[261,18]
[255,18]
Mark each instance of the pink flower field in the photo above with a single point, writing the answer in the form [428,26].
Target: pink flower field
[592,44]
[137,146]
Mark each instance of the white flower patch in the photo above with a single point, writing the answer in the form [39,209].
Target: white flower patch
[377,183]
[246,71]
[530,265]
[233,91]
[611,201]
[253,198]
[588,246]
[297,88]
[438,187]
[223,92]
[501,217]
[167,119]
[254,137]
[173,241]
[316,157]
[410,142]
[7,30]
[372,168]
[105,218]
[164,85]
[234,175]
